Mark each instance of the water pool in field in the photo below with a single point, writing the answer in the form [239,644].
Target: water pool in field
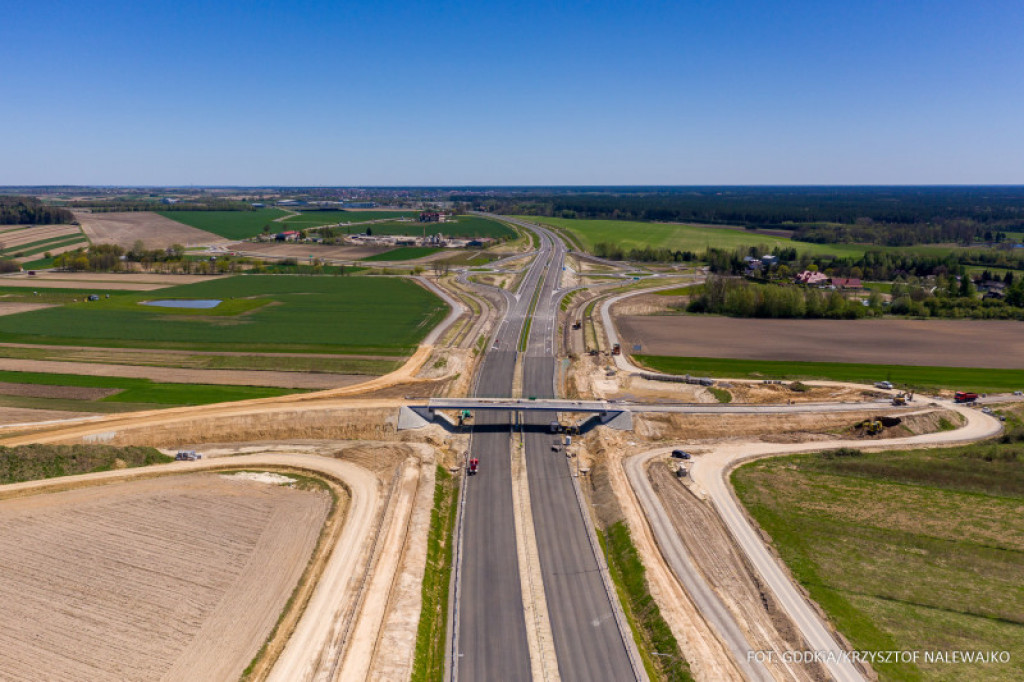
[202,303]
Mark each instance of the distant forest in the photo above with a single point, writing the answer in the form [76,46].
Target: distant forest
[118,205]
[892,216]
[19,210]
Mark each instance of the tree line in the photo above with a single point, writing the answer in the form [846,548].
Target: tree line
[947,297]
[129,205]
[21,210]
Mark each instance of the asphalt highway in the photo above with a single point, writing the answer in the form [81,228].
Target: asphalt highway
[492,643]
[588,643]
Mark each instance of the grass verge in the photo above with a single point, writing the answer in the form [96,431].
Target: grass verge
[721,395]
[35,462]
[430,636]
[645,619]
[960,378]
[916,551]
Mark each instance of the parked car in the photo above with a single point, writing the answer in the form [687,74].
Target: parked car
[681,454]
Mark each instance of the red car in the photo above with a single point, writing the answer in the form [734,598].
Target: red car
[473,464]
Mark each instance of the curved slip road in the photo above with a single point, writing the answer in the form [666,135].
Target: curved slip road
[710,472]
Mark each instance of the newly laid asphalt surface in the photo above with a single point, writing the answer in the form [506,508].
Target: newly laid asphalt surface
[492,642]
[586,636]
[492,631]
[492,627]
[588,644]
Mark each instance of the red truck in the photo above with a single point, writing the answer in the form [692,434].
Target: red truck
[964,397]
[473,465]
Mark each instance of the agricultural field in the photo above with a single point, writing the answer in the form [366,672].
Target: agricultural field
[261,313]
[60,390]
[305,252]
[460,227]
[966,378]
[25,242]
[405,253]
[317,218]
[152,229]
[951,343]
[174,577]
[231,225]
[920,551]
[695,238]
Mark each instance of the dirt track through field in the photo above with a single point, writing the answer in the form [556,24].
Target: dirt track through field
[305,251]
[155,231]
[948,343]
[177,577]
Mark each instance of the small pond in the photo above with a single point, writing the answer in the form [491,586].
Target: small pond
[203,303]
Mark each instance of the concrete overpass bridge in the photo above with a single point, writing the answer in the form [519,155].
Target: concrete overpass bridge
[616,414]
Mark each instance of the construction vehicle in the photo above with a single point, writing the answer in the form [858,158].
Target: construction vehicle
[474,465]
[899,399]
[964,397]
[617,349]
[577,324]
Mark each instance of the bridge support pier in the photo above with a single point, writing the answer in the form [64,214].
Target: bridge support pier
[620,421]
[414,417]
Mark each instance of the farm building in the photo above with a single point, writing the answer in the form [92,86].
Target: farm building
[847,283]
[433,217]
[289,236]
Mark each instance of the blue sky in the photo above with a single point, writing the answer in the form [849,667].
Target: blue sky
[418,93]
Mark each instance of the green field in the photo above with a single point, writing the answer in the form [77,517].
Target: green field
[44,245]
[39,264]
[959,378]
[404,253]
[919,551]
[139,391]
[268,313]
[637,235]
[697,238]
[229,224]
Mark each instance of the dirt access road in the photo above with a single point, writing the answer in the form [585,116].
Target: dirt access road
[942,343]
[710,474]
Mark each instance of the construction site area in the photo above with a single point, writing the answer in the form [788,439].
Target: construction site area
[309,541]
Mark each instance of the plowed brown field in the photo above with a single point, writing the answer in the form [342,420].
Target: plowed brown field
[946,343]
[177,577]
[155,231]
